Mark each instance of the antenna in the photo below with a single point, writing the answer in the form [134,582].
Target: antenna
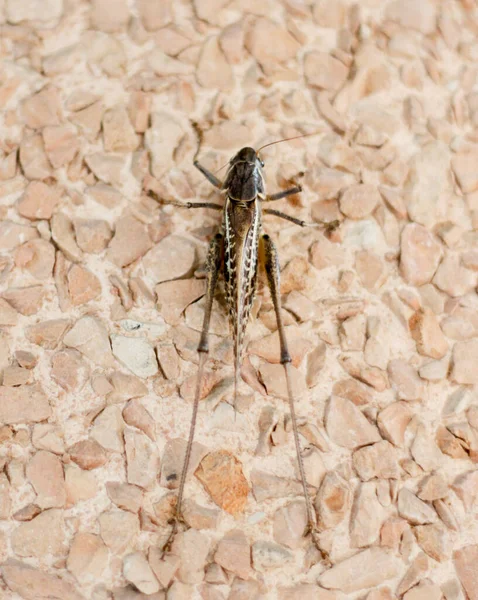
[296,137]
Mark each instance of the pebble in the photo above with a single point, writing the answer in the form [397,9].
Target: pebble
[413,509]
[420,17]
[106,167]
[347,426]
[418,568]
[425,590]
[461,325]
[62,60]
[137,571]
[118,132]
[162,64]
[139,109]
[453,278]
[173,461]
[142,460]
[5,499]
[88,454]
[136,354]
[353,390]
[210,11]
[45,473]
[173,258]
[324,71]
[428,182]
[137,416]
[107,429]
[15,375]
[13,234]
[118,529]
[154,15]
[274,379]
[308,591]
[213,70]
[89,336]
[359,200]
[27,300]
[125,496]
[465,564]
[463,166]
[268,555]
[192,547]
[161,139]
[32,583]
[8,315]
[466,488]
[80,485]
[221,474]
[368,568]
[424,449]
[92,235]
[367,516]
[434,540]
[130,241]
[61,144]
[125,387]
[179,591]
[325,253]
[33,158]
[42,109]
[47,334]
[404,380]
[173,297]
[109,17]
[37,257]
[165,566]
[289,524]
[48,437]
[333,500]
[270,43]
[88,558]
[315,363]
[45,534]
[200,517]
[352,333]
[8,166]
[63,234]
[464,357]
[433,487]
[24,404]
[393,421]
[378,460]
[83,285]
[89,119]
[265,485]
[420,254]
[436,370]
[38,201]
[268,347]
[370,269]
[427,334]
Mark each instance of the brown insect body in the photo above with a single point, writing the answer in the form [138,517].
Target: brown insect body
[237,249]
[241,226]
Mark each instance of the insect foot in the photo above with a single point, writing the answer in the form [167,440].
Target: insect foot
[313,531]
[178,523]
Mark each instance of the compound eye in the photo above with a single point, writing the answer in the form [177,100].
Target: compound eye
[262,163]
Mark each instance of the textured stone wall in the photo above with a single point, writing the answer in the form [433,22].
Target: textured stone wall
[101,300]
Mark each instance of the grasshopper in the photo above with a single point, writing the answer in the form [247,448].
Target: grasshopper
[239,247]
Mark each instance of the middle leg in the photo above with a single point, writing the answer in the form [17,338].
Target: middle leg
[330,226]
